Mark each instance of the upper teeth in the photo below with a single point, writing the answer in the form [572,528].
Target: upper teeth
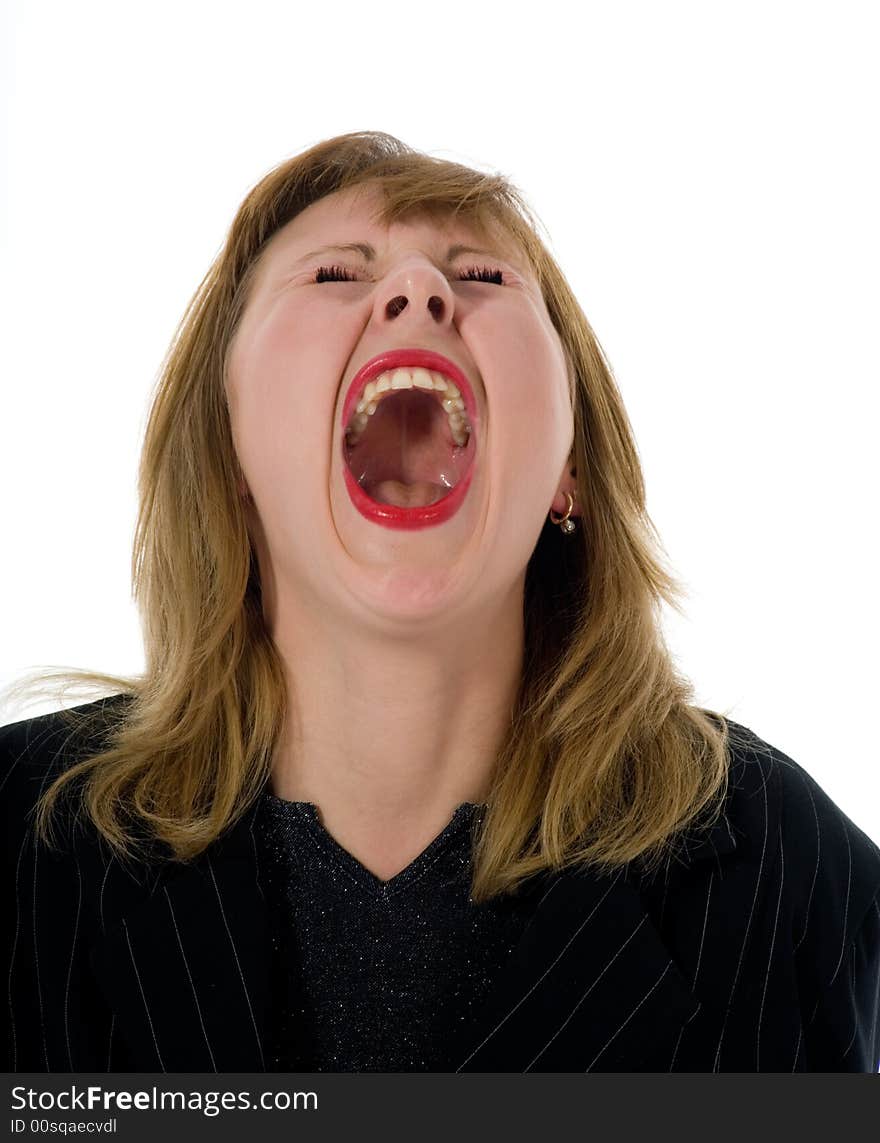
[406,378]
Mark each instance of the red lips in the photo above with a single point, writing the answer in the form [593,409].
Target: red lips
[391,515]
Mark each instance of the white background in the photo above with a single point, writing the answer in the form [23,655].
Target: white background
[708,177]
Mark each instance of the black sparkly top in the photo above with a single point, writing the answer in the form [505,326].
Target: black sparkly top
[372,975]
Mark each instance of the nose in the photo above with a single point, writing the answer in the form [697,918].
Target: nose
[414,292]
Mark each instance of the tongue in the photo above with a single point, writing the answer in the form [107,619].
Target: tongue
[406,455]
[406,495]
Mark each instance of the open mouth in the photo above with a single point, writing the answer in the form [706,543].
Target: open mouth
[409,447]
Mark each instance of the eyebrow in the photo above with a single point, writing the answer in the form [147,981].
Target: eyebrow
[369,253]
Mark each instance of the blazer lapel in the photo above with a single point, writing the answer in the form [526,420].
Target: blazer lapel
[186,970]
[591,985]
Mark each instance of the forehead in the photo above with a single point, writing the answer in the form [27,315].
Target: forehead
[354,215]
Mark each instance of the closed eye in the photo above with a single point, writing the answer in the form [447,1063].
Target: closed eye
[333,274]
[483,274]
[473,274]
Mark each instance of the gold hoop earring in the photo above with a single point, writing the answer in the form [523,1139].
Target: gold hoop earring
[565,523]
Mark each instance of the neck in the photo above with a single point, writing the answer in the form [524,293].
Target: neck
[395,733]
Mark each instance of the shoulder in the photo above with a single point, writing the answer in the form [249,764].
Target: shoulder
[826,867]
[771,795]
[35,751]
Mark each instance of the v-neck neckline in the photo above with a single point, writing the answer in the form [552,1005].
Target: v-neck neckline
[307,813]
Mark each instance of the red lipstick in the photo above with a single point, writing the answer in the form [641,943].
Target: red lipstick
[392,515]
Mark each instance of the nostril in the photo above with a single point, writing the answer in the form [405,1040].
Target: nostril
[398,305]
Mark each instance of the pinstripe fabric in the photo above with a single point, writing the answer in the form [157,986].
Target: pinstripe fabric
[756,949]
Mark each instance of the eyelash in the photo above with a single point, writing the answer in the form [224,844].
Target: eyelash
[473,273]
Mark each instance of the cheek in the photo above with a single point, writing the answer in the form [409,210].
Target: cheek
[282,394]
[533,412]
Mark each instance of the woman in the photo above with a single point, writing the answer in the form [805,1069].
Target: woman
[410,781]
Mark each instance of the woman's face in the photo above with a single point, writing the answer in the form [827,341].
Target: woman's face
[302,341]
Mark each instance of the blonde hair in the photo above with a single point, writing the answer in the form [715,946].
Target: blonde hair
[606,759]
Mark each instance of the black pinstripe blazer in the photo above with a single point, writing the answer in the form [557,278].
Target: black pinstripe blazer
[758,949]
